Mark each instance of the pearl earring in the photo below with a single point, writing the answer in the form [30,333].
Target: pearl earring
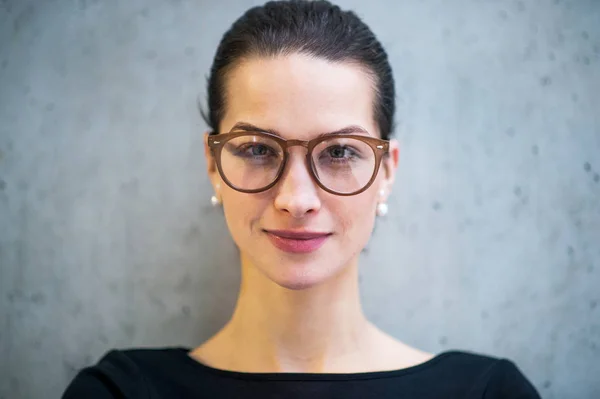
[214,200]
[382,207]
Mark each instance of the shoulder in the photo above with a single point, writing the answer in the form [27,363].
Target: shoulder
[465,360]
[488,376]
[121,373]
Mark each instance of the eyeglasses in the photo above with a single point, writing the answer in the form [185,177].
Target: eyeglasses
[254,161]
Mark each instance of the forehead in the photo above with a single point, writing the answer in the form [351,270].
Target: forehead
[299,96]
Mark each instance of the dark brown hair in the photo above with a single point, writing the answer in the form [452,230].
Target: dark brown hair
[314,28]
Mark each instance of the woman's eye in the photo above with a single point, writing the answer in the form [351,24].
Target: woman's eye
[259,150]
[339,152]
[255,150]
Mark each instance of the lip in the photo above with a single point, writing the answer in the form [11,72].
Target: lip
[297,241]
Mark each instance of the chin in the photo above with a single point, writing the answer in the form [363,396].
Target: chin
[300,276]
[298,283]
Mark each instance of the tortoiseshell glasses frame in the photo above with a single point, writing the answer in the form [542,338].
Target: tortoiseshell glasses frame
[216,143]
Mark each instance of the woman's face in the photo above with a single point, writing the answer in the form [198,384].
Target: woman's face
[300,97]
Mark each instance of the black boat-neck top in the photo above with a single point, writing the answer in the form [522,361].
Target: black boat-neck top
[171,373]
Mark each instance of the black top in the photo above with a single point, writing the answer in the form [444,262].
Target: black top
[171,373]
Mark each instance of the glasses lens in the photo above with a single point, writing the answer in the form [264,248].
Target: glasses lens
[251,162]
[344,165]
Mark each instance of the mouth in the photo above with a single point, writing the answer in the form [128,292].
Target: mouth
[297,241]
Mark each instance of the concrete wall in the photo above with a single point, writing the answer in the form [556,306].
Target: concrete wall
[107,237]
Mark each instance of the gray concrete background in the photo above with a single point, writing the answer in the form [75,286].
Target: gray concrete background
[107,237]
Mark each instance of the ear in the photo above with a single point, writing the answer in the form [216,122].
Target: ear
[211,165]
[390,164]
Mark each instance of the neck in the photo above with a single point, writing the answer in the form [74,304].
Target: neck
[308,330]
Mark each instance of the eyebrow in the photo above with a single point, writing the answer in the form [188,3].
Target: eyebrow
[248,127]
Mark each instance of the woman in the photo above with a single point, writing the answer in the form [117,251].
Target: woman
[301,104]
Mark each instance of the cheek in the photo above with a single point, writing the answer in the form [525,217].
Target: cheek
[356,216]
[241,219]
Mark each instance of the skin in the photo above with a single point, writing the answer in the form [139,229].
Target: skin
[302,312]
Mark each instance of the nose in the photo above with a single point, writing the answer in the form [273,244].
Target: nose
[297,193]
